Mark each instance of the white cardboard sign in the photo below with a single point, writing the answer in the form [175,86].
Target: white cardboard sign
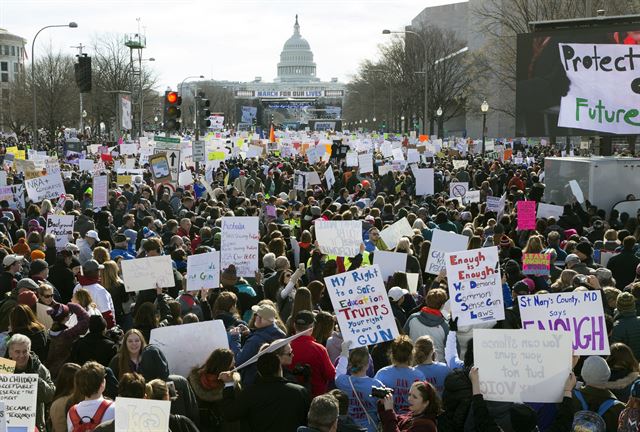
[339,238]
[239,244]
[203,271]
[441,243]
[149,415]
[392,234]
[146,273]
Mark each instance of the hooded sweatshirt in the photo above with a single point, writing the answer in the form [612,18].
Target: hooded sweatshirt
[429,322]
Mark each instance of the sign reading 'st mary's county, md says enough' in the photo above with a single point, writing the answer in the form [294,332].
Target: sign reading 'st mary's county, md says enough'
[362,306]
[475,285]
[580,313]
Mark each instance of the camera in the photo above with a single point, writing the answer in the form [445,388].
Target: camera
[302,370]
[380,392]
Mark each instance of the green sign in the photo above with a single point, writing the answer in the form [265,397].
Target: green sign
[166,139]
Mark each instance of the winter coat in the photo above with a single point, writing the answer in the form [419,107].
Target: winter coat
[623,268]
[94,346]
[429,322]
[594,397]
[261,405]
[209,397]
[39,341]
[456,400]
[626,329]
[250,348]
[620,383]
[46,387]
[63,279]
[62,340]
[392,422]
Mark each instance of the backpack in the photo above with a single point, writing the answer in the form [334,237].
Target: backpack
[602,409]
[80,426]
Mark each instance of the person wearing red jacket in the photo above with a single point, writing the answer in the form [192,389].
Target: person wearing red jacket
[306,351]
[516,181]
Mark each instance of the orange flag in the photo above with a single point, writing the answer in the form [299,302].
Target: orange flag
[272,135]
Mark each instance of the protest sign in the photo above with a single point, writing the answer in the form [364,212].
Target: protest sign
[362,306]
[14,195]
[441,243]
[392,234]
[7,366]
[61,227]
[19,393]
[578,312]
[329,177]
[46,187]
[159,166]
[147,273]
[458,189]
[496,205]
[526,215]
[522,365]
[549,210]
[460,164]
[135,415]
[274,346]
[203,271]
[339,238]
[475,285]
[390,262]
[240,237]
[86,165]
[100,191]
[3,419]
[185,178]
[472,196]
[412,282]
[424,181]
[576,191]
[365,163]
[352,159]
[594,100]
[204,337]
[536,264]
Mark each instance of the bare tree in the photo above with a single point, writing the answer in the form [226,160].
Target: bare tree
[503,20]
[17,112]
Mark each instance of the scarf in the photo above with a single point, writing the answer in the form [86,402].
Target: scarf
[431,311]
[84,280]
[210,381]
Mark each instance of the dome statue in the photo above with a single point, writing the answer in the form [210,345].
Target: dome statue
[296,59]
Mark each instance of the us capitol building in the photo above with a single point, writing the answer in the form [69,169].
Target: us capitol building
[296,99]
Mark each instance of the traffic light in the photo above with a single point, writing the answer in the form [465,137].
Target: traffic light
[172,111]
[82,72]
[202,113]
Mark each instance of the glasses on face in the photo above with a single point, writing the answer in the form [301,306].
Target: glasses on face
[47,295]
[288,354]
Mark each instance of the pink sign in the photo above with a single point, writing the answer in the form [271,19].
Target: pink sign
[526,215]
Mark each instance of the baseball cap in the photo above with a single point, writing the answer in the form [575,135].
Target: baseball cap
[92,234]
[91,266]
[27,283]
[9,260]
[396,293]
[264,311]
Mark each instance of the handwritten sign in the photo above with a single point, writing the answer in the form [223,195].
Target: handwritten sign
[14,195]
[7,366]
[240,239]
[19,393]
[522,365]
[441,243]
[100,191]
[392,234]
[149,415]
[362,306]
[365,162]
[146,273]
[204,337]
[46,187]
[579,312]
[61,227]
[329,177]
[339,238]
[536,264]
[496,205]
[203,271]
[475,285]
[526,215]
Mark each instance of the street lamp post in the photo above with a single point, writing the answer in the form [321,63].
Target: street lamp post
[194,94]
[426,74]
[402,124]
[33,79]
[439,114]
[142,98]
[484,108]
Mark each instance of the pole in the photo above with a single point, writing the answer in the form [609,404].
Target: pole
[484,127]
[426,93]
[81,118]
[141,94]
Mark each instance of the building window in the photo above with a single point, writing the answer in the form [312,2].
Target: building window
[4,77]
[4,66]
[6,50]
[13,51]
[5,94]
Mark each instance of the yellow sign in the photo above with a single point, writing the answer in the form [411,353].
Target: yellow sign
[124,179]
[13,150]
[216,155]
[20,154]
[7,366]
[32,174]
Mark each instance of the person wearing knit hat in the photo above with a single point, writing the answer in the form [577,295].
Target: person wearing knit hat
[28,298]
[594,396]
[21,248]
[37,254]
[229,276]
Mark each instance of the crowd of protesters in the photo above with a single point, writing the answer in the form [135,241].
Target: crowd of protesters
[65,314]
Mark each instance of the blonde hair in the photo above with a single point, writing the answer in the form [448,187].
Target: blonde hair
[110,275]
[84,298]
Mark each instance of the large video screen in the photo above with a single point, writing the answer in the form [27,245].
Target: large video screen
[578,81]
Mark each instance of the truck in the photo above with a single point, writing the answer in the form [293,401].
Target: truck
[604,180]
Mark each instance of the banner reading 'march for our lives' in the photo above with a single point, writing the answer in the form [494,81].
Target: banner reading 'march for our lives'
[604,93]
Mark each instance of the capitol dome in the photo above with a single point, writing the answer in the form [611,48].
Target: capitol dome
[296,59]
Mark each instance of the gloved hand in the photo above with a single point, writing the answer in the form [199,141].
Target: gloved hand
[453,324]
[344,348]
